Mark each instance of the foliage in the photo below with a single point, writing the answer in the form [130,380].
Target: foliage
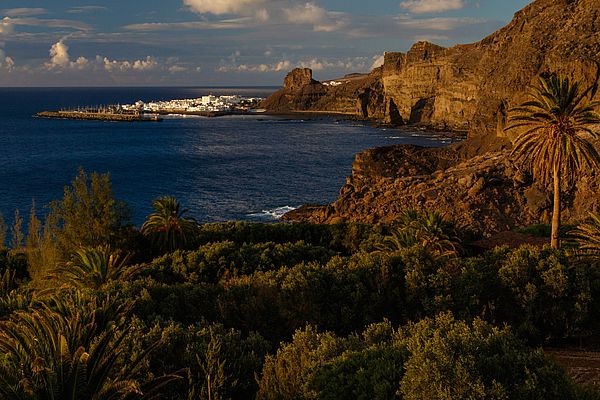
[556,142]
[428,230]
[87,215]
[16,232]
[341,238]
[3,230]
[52,354]
[168,227]
[538,230]
[452,359]
[587,236]
[211,353]
[93,267]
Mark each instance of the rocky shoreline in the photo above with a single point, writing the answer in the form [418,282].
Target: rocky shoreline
[469,88]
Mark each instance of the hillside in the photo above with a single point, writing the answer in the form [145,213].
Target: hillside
[469,88]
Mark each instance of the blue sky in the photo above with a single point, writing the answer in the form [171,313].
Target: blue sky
[223,42]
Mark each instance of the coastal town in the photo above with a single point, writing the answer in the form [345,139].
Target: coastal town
[201,105]
[206,106]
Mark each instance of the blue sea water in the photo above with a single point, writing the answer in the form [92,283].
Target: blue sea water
[229,168]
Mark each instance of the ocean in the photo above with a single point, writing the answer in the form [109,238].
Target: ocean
[229,168]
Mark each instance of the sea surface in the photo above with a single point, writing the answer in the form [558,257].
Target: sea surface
[229,168]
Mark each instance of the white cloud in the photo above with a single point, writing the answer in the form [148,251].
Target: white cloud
[431,6]
[23,12]
[145,65]
[237,23]
[437,24]
[378,61]
[263,11]
[219,7]
[6,27]
[6,62]
[351,64]
[59,55]
[49,23]
[86,9]
[283,65]
[60,59]
[311,14]
[175,69]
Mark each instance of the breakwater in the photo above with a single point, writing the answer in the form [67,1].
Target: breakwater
[97,116]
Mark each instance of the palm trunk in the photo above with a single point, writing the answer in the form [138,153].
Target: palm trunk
[556,212]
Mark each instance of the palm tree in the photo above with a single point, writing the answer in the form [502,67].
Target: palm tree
[429,230]
[94,266]
[47,355]
[556,142]
[587,235]
[168,227]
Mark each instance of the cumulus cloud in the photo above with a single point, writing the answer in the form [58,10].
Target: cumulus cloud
[431,6]
[59,55]
[6,27]
[311,14]
[283,65]
[378,61]
[219,7]
[316,64]
[60,60]
[6,62]
[147,64]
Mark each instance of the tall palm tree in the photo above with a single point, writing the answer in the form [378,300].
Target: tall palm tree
[94,266]
[557,139]
[168,227]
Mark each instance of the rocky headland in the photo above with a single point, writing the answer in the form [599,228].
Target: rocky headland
[467,88]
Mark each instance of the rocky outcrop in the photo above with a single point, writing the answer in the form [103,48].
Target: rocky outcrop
[466,87]
[486,193]
[471,88]
[358,95]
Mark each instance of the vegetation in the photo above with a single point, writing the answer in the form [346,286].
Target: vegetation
[168,227]
[587,236]
[556,144]
[284,311]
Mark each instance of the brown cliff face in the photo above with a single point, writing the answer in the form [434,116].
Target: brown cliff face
[466,87]
[471,87]
[486,193]
[359,96]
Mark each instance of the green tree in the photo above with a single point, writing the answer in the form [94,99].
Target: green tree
[168,227]
[3,230]
[95,266]
[452,359]
[87,215]
[34,243]
[17,232]
[555,144]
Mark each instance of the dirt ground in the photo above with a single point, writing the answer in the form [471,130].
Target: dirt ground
[582,366]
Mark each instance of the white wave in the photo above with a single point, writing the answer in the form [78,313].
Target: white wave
[275,213]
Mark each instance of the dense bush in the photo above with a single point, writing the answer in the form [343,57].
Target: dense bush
[436,358]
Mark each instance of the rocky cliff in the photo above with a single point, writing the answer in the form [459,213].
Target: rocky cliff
[359,96]
[465,87]
[470,87]
[487,192]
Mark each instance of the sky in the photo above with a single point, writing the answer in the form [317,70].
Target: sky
[223,42]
